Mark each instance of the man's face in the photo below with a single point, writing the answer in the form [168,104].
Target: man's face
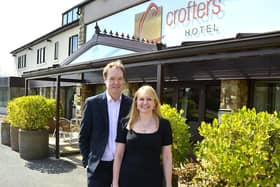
[114,82]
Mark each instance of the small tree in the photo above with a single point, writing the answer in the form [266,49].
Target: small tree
[180,131]
[242,150]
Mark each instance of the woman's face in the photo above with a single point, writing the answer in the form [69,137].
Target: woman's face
[145,102]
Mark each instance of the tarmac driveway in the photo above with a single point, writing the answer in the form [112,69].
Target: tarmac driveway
[49,172]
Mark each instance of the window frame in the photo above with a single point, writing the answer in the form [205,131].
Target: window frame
[70,16]
[21,61]
[72,41]
[56,49]
[41,55]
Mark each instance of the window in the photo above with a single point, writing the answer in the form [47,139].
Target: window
[266,96]
[41,55]
[100,51]
[22,61]
[73,44]
[55,50]
[70,16]
[75,14]
[64,19]
[4,97]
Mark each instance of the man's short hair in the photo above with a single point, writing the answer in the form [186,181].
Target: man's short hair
[114,64]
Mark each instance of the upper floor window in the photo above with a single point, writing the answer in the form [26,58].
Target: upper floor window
[41,53]
[55,50]
[73,44]
[70,16]
[21,61]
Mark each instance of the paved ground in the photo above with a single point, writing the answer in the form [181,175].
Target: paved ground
[49,172]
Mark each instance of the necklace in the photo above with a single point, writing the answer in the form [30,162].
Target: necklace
[146,126]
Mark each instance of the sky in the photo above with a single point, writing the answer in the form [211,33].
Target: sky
[25,21]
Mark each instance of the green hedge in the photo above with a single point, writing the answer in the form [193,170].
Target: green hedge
[180,131]
[242,150]
[31,112]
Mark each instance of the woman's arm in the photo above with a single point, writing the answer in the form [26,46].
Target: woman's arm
[167,164]
[120,147]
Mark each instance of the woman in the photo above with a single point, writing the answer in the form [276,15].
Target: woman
[141,140]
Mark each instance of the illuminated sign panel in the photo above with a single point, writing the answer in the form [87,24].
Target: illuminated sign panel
[175,21]
[148,24]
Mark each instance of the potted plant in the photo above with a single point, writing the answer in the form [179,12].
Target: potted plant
[5,132]
[181,146]
[13,112]
[33,115]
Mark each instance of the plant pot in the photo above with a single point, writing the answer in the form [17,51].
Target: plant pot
[5,133]
[175,180]
[14,138]
[33,144]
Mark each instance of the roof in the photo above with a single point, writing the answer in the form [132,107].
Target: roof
[116,40]
[246,45]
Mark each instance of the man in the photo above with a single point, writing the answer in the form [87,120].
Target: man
[99,126]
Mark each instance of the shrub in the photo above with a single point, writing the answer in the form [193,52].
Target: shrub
[242,150]
[31,112]
[13,111]
[180,131]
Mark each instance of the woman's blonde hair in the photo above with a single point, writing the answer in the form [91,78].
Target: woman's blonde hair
[134,113]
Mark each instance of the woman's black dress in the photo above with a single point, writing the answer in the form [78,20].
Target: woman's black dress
[141,164]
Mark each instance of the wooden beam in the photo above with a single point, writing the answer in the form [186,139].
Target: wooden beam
[160,81]
[202,104]
[26,87]
[54,79]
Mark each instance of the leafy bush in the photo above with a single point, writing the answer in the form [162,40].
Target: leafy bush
[31,112]
[180,131]
[13,111]
[242,150]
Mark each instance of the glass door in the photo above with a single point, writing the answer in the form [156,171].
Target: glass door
[199,101]
[189,102]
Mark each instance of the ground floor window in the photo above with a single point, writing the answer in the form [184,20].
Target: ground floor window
[266,96]
[199,100]
[4,96]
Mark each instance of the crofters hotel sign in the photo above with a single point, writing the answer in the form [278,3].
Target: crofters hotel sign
[175,21]
[181,20]
[195,12]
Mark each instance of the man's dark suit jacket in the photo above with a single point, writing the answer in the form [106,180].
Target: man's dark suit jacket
[95,128]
